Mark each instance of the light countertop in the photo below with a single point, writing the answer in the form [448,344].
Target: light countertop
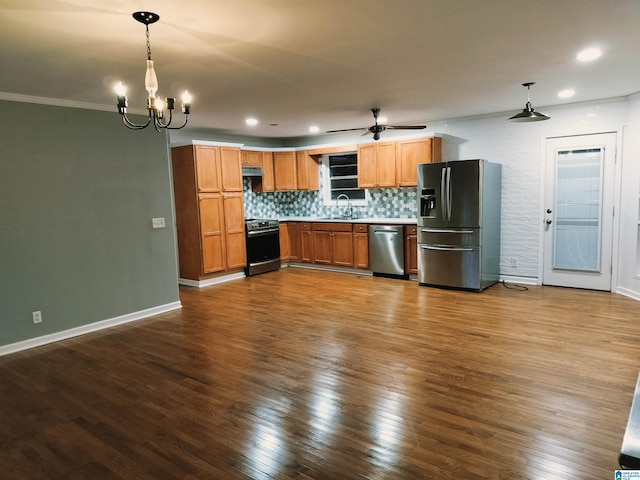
[371,220]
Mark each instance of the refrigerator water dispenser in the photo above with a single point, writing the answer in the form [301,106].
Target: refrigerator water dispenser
[428,203]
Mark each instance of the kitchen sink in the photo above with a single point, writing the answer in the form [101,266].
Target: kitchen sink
[342,219]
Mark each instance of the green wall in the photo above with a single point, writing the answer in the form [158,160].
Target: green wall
[77,194]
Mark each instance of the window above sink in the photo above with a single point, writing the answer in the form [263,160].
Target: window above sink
[340,177]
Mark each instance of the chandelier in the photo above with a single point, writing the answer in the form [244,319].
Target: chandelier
[155,106]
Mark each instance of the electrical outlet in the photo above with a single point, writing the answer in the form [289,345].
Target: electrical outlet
[514,262]
[37,316]
[157,222]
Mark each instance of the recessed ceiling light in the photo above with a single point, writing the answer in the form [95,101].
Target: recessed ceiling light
[314,129]
[566,93]
[382,119]
[251,121]
[589,54]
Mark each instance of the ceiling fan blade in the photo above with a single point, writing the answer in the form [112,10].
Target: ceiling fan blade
[345,130]
[406,127]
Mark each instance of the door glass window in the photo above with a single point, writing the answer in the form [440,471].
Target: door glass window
[578,209]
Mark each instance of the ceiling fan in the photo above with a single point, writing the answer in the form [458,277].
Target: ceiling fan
[376,129]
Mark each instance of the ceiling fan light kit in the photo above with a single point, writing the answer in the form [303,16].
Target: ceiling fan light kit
[377,129]
[155,106]
[528,113]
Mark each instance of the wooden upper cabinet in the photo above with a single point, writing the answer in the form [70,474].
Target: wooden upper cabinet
[377,165]
[411,153]
[266,183]
[268,180]
[231,163]
[367,175]
[252,158]
[207,165]
[284,165]
[307,172]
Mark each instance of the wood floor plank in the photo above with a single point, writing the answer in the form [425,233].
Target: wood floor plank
[300,374]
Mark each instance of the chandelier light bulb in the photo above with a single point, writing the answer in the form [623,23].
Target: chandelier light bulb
[120,89]
[150,79]
[186,98]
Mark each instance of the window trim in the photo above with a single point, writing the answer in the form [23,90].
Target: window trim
[326,184]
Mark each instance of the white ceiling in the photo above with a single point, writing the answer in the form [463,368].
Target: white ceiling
[297,63]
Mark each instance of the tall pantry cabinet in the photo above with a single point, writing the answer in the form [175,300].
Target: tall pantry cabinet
[207,183]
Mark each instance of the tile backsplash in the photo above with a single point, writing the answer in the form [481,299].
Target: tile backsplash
[385,203]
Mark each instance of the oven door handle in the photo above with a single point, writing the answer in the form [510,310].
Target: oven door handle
[260,233]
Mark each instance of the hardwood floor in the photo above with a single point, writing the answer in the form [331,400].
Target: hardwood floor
[317,375]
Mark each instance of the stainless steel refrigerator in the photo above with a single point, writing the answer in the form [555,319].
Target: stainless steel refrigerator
[459,224]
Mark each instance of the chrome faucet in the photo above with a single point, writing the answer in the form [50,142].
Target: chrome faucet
[349,211]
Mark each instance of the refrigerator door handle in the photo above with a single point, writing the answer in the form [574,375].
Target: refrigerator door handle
[446,249]
[443,193]
[449,194]
[440,230]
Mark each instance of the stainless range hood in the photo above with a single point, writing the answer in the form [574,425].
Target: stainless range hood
[252,172]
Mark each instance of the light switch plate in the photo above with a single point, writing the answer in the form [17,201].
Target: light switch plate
[158,222]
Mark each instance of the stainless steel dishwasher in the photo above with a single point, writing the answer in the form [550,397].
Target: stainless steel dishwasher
[386,250]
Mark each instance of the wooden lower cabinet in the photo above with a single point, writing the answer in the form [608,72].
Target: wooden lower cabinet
[338,244]
[235,241]
[332,244]
[212,242]
[207,184]
[322,249]
[306,243]
[294,241]
[361,246]
[343,249]
[285,243]
[411,250]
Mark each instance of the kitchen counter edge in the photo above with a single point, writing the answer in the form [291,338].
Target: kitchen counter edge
[368,220]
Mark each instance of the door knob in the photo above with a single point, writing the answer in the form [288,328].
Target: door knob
[549,210]
[548,221]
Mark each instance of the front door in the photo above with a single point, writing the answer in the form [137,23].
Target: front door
[578,211]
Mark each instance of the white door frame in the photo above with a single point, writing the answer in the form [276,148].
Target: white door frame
[615,252]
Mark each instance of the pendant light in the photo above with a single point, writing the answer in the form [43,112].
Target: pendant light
[528,114]
[155,106]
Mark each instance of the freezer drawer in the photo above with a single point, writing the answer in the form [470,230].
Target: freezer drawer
[469,237]
[450,266]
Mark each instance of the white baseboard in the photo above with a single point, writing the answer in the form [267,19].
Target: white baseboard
[522,280]
[331,268]
[89,328]
[628,293]
[211,281]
